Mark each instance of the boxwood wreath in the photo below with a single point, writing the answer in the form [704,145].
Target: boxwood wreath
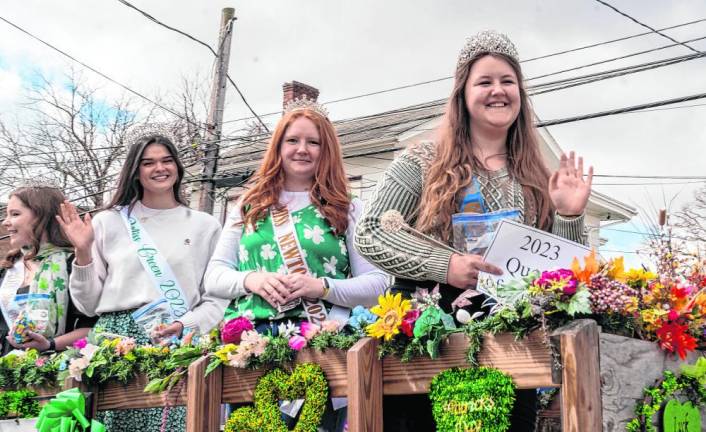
[307,381]
[690,384]
[476,399]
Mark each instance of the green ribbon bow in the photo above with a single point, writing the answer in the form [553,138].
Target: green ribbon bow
[66,413]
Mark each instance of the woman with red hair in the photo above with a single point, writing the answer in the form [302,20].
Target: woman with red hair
[287,248]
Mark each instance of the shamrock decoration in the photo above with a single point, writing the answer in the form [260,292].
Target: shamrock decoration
[680,417]
[472,400]
[307,381]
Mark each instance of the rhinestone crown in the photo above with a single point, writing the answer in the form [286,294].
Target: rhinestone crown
[488,41]
[305,103]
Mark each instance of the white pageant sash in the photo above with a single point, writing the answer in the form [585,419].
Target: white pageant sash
[156,266]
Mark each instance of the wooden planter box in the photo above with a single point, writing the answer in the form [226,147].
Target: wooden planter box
[627,367]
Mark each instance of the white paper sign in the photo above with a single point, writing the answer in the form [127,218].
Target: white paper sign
[520,249]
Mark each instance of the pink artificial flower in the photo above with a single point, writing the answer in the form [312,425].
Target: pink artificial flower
[673,315]
[308,330]
[330,326]
[40,361]
[80,344]
[563,278]
[408,321]
[297,342]
[233,330]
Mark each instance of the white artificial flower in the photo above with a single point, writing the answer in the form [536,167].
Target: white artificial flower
[288,329]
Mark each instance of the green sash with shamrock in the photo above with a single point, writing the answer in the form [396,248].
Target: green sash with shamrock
[325,254]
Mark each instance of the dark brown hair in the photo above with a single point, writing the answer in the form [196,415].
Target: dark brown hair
[129,189]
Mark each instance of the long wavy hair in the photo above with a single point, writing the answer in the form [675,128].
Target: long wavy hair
[44,202]
[452,169]
[129,188]
[330,190]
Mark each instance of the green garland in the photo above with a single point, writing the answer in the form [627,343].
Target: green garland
[19,404]
[654,397]
[306,381]
[477,399]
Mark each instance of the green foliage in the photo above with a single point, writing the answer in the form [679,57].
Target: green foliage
[477,399]
[31,369]
[307,381]
[656,396]
[339,340]
[580,303]
[19,404]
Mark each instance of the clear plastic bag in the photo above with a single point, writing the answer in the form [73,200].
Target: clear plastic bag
[473,232]
[153,317]
[30,312]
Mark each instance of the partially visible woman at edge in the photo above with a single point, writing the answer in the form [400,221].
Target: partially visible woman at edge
[487,158]
[109,277]
[290,237]
[39,262]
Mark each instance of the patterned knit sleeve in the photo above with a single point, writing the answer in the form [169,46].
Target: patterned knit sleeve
[570,228]
[401,253]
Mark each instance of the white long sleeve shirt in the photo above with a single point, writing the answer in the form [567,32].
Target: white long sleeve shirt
[225,281]
[116,280]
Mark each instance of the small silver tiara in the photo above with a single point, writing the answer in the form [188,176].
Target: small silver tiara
[39,183]
[167,130]
[488,41]
[305,103]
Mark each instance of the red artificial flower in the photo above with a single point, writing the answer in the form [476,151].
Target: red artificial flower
[673,315]
[680,291]
[673,338]
[407,326]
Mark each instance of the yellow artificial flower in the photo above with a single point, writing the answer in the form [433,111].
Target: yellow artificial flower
[651,317]
[640,275]
[616,270]
[391,310]
[223,352]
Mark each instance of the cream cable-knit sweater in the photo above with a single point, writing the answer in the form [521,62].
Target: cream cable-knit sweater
[404,255]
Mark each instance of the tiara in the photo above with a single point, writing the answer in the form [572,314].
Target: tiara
[171,131]
[39,183]
[488,41]
[305,103]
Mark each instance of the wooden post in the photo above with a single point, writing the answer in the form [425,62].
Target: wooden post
[581,409]
[203,400]
[215,112]
[364,387]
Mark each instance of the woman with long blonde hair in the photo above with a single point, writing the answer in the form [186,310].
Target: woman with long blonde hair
[486,158]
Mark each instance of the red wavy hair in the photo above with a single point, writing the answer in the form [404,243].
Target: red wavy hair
[330,189]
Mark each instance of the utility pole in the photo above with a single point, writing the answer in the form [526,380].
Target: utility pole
[215,113]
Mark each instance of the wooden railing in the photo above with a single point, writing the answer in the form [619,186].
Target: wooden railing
[359,375]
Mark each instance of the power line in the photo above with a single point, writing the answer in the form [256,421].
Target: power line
[645,25]
[183,33]
[612,41]
[621,110]
[96,71]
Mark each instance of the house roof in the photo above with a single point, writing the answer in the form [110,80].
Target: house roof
[387,132]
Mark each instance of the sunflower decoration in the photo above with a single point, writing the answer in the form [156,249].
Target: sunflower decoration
[391,310]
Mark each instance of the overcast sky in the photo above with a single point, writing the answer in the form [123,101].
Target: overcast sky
[347,48]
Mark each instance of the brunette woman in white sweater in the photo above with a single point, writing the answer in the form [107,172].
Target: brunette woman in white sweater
[110,275]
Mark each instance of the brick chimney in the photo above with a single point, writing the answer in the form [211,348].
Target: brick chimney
[295,90]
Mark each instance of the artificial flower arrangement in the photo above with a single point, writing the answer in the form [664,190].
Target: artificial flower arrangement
[410,328]
[243,347]
[669,308]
